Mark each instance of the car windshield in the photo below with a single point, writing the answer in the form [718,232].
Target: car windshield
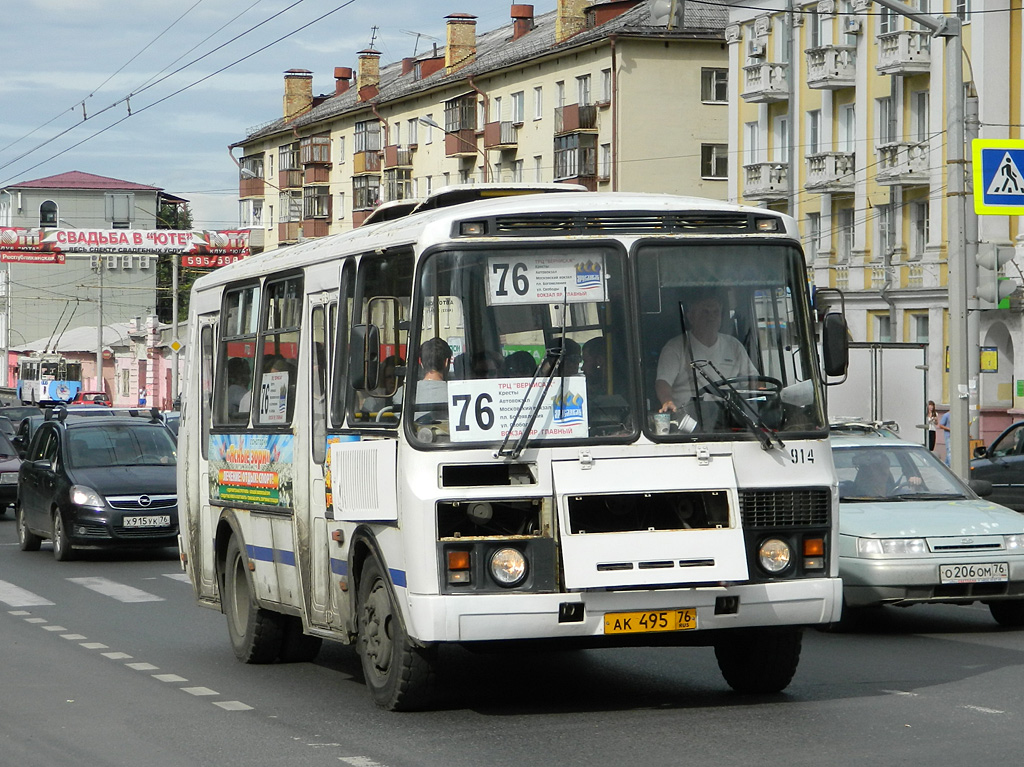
[893,472]
[120,445]
[7,450]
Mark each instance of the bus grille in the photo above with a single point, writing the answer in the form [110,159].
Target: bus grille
[622,223]
[802,507]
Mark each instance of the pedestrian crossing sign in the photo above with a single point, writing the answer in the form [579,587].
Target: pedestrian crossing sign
[998,176]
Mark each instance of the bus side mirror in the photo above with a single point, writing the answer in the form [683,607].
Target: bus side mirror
[835,345]
[364,357]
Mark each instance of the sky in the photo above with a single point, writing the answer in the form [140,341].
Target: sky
[154,92]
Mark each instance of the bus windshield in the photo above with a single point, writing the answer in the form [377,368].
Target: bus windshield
[534,345]
[522,340]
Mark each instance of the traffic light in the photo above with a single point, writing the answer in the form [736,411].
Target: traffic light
[992,287]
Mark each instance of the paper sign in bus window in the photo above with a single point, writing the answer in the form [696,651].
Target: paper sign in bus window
[519,278]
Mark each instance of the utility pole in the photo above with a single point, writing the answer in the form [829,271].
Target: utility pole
[949,28]
[99,323]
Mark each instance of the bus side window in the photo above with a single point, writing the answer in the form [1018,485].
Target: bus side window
[274,400]
[206,386]
[341,317]
[234,380]
[318,384]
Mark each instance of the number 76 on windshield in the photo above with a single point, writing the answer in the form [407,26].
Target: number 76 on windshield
[547,278]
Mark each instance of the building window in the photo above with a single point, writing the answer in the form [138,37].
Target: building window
[270,216]
[316,149]
[752,150]
[780,143]
[886,20]
[250,213]
[714,85]
[518,107]
[886,232]
[251,166]
[583,90]
[919,106]
[414,132]
[844,245]
[270,164]
[606,86]
[339,208]
[119,209]
[288,157]
[886,121]
[517,171]
[538,103]
[714,161]
[575,156]
[813,131]
[290,206]
[920,326]
[847,128]
[495,116]
[813,235]
[398,183]
[429,137]
[919,229]
[606,161]
[48,214]
[460,114]
[367,137]
[316,202]
[963,10]
[883,328]
[365,192]
[559,94]
[538,169]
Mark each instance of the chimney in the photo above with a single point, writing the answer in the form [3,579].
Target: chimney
[298,92]
[342,79]
[522,20]
[408,64]
[571,19]
[368,77]
[461,45]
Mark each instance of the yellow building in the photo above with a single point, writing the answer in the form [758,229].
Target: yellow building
[838,116]
[596,93]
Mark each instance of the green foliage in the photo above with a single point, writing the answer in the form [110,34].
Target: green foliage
[173,217]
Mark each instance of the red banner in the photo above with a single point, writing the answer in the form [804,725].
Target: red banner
[18,257]
[19,242]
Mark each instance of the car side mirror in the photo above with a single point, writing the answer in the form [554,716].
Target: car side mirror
[981,452]
[981,487]
[43,464]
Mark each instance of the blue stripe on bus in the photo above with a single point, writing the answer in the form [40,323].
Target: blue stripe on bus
[397,577]
[338,566]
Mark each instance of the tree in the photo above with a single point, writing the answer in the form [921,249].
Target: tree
[173,216]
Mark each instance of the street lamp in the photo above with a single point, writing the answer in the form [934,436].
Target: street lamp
[432,124]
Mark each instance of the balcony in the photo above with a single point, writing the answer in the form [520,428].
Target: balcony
[904,53]
[397,157]
[315,227]
[765,83]
[766,181]
[831,67]
[250,187]
[366,162]
[830,172]
[501,135]
[256,239]
[460,143]
[590,182]
[575,117]
[903,163]
[288,231]
[316,174]
[290,179]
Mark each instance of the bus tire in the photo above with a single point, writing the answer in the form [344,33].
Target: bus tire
[27,540]
[256,634]
[759,661]
[296,646]
[1008,613]
[399,674]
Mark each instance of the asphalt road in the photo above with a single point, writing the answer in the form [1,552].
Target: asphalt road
[108,662]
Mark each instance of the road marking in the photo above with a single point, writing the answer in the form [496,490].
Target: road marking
[73,636]
[17,597]
[360,761]
[118,591]
[169,678]
[52,627]
[183,577]
[901,692]
[142,666]
[232,705]
[200,691]
[36,620]
[94,645]
[117,655]
[983,710]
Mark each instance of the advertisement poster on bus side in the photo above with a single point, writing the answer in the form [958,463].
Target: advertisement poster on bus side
[252,469]
[486,409]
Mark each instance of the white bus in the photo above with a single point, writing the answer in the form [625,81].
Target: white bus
[444,429]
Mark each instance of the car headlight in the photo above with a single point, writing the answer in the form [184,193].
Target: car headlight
[1014,542]
[8,478]
[882,547]
[86,496]
[774,555]
[508,566]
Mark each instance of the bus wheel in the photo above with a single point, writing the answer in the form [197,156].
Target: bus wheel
[759,661]
[1009,614]
[399,674]
[256,634]
[297,647]
[27,540]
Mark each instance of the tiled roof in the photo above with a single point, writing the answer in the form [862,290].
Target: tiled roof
[76,179]
[497,50]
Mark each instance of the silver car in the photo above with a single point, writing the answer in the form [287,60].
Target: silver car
[911,532]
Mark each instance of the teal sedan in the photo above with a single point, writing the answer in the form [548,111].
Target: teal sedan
[911,532]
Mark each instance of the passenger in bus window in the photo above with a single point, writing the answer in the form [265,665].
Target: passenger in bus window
[520,364]
[239,381]
[595,365]
[486,364]
[572,356]
[677,381]
[435,358]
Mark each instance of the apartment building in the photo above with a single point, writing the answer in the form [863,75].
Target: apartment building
[612,95]
[838,115]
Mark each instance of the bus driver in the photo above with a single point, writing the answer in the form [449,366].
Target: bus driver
[677,381]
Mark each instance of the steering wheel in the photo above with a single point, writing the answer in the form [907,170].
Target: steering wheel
[756,385]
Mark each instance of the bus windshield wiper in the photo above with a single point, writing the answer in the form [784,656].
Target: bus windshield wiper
[724,390]
[554,358]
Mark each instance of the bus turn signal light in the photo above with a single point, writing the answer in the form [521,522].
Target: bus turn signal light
[458,567]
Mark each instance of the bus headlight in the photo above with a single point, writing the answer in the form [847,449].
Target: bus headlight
[774,555]
[508,566]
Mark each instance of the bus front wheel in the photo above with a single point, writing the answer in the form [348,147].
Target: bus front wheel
[256,634]
[759,661]
[399,674]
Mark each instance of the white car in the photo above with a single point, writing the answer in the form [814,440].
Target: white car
[911,532]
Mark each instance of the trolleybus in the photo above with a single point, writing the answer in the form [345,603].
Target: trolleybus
[44,378]
[446,428]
